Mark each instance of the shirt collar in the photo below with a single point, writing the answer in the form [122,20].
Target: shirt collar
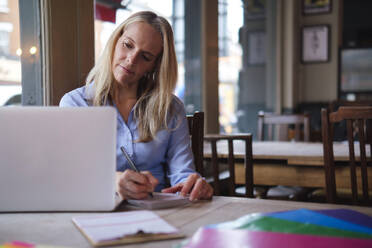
[89,93]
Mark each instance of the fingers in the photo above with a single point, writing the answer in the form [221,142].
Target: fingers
[117,179]
[139,178]
[135,191]
[187,186]
[151,179]
[201,190]
[197,190]
[133,185]
[173,189]
[197,187]
[208,191]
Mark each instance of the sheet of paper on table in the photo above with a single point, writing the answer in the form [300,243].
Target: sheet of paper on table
[125,227]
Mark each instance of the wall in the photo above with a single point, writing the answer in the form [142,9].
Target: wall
[68,28]
[318,82]
[210,65]
[289,49]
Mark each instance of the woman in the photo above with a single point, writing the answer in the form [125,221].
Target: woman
[137,74]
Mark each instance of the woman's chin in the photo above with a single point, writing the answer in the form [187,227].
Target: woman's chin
[125,82]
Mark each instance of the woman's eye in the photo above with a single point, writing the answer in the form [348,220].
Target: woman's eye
[146,58]
[126,44]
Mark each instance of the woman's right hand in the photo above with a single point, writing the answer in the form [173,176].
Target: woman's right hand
[134,185]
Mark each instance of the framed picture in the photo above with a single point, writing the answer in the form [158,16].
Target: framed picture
[254,9]
[256,48]
[311,7]
[315,44]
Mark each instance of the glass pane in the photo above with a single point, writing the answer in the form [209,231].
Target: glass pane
[230,53]
[10,63]
[179,8]
[179,39]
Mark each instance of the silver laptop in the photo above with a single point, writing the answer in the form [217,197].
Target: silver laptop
[57,159]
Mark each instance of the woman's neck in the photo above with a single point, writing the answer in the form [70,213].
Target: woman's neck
[124,92]
[125,98]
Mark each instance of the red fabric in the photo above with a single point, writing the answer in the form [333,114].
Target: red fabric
[104,13]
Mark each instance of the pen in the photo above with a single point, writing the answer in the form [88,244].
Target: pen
[131,163]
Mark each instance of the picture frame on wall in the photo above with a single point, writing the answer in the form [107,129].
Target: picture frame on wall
[313,7]
[254,9]
[256,47]
[315,44]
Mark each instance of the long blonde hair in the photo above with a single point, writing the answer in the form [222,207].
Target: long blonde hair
[155,91]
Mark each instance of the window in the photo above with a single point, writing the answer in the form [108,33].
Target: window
[4,6]
[179,28]
[6,28]
[4,42]
[230,53]
[10,63]
[178,22]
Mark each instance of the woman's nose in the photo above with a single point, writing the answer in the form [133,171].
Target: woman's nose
[133,57]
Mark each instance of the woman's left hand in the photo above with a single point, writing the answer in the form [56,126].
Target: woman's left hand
[195,185]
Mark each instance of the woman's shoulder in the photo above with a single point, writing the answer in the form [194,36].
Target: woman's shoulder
[177,105]
[177,112]
[79,97]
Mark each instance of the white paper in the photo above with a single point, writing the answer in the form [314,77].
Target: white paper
[112,226]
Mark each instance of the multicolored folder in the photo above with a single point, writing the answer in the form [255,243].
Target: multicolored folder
[296,228]
[218,238]
[20,244]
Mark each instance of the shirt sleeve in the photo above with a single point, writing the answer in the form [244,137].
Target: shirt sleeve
[67,101]
[180,158]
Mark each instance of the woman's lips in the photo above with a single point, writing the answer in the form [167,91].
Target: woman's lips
[126,70]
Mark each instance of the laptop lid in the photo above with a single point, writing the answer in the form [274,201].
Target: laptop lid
[57,159]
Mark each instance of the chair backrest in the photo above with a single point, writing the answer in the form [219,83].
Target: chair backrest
[334,105]
[358,129]
[339,129]
[196,129]
[248,161]
[283,121]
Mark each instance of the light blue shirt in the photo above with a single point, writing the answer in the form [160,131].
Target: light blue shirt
[170,147]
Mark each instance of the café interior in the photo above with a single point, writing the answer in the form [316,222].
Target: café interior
[278,93]
[293,60]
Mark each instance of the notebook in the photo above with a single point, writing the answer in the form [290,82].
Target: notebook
[161,200]
[57,159]
[125,228]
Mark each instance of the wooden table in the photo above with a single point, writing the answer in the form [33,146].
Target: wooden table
[289,163]
[58,229]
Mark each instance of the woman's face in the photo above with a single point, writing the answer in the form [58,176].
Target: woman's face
[136,52]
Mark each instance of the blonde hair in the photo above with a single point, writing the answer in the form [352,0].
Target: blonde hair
[155,91]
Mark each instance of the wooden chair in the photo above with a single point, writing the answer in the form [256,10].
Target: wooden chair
[196,129]
[361,116]
[283,121]
[339,129]
[248,161]
[334,105]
